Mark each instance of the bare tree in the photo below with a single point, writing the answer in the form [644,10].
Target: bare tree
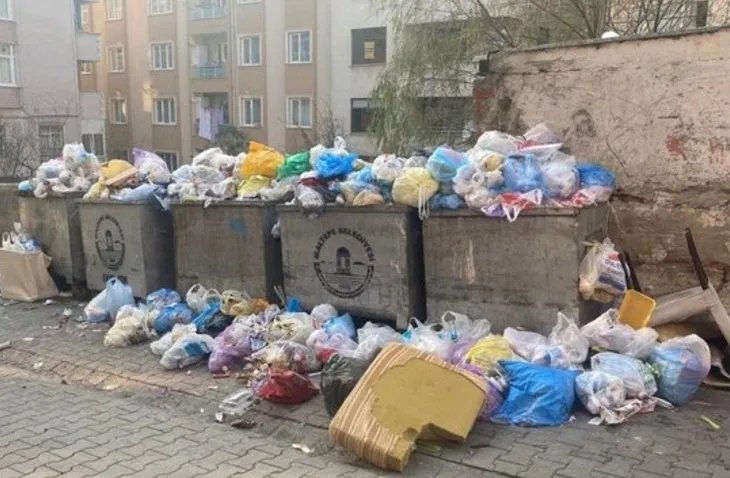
[327,127]
[423,96]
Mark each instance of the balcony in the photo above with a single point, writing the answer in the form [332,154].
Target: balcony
[88,47]
[207,12]
[209,71]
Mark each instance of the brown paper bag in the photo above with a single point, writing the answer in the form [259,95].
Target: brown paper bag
[24,276]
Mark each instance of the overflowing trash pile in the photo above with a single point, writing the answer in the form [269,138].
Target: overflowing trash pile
[74,172]
[526,379]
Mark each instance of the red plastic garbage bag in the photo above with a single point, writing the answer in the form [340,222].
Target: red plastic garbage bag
[284,387]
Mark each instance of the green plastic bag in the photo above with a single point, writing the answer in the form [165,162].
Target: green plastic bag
[294,165]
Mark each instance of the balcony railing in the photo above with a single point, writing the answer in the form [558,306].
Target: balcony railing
[209,71]
[204,12]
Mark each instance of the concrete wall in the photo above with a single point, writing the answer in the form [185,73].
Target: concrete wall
[653,110]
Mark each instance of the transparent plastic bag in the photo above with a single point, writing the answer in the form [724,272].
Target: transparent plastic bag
[190,349]
[323,312]
[152,167]
[568,335]
[371,338]
[130,327]
[429,338]
[290,356]
[444,163]
[285,387]
[238,403]
[522,173]
[160,346]
[296,327]
[108,302]
[600,391]
[162,298]
[560,179]
[682,363]
[609,334]
[601,270]
[231,347]
[637,377]
[530,346]
[498,142]
[386,168]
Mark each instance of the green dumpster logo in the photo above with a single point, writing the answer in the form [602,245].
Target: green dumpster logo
[110,242]
[344,262]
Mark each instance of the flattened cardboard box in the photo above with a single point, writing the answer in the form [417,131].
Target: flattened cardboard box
[405,395]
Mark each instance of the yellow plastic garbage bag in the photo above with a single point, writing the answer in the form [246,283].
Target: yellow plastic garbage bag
[261,160]
[414,187]
[486,353]
[368,198]
[249,188]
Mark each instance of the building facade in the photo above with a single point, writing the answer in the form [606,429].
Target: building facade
[43,102]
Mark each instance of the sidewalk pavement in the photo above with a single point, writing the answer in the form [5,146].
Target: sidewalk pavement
[669,443]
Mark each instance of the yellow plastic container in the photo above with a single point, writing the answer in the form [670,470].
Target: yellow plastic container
[636,309]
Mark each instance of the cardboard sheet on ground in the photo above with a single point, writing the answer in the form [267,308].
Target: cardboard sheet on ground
[24,276]
[406,395]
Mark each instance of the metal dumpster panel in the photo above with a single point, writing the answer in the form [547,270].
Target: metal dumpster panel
[516,274]
[130,240]
[56,224]
[9,209]
[227,245]
[366,261]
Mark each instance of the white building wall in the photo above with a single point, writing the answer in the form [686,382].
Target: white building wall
[350,81]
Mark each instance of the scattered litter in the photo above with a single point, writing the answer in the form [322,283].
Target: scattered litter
[202,410]
[51,327]
[427,447]
[67,312]
[66,294]
[245,423]
[213,387]
[219,417]
[303,448]
[28,339]
[710,422]
[110,387]
[49,302]
[5,345]
[37,365]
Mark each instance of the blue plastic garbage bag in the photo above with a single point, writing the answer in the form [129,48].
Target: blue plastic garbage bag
[522,173]
[331,164]
[146,193]
[341,325]
[211,321]
[162,298]
[682,363]
[446,201]
[537,396]
[293,305]
[444,162]
[365,175]
[175,314]
[594,175]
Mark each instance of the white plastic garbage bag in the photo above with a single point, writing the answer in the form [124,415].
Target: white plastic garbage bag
[638,378]
[130,327]
[190,349]
[608,333]
[163,344]
[567,334]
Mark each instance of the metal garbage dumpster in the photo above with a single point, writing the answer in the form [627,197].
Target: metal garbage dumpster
[56,224]
[129,240]
[516,274]
[9,209]
[227,245]
[367,261]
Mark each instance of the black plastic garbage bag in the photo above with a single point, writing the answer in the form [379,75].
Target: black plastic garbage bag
[339,377]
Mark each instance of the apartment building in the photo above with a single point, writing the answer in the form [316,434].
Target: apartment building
[43,103]
[174,71]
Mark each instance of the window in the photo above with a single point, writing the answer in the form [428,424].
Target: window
[701,14]
[361,114]
[299,112]
[7,65]
[119,111]
[169,157]
[251,112]
[159,7]
[162,56]
[164,111]
[51,140]
[369,46]
[249,50]
[6,10]
[299,47]
[87,68]
[84,14]
[114,9]
[115,58]
[94,143]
